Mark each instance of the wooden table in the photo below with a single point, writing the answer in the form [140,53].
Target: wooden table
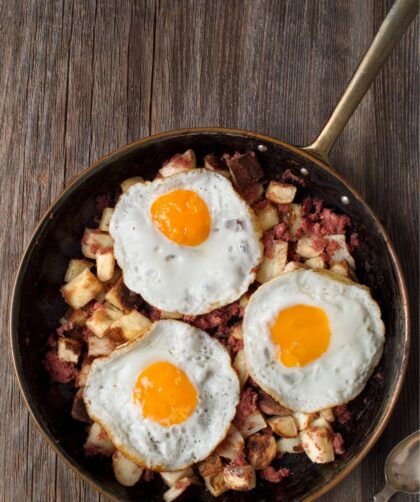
[79,78]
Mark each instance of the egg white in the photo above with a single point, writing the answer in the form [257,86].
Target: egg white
[111,380]
[356,344]
[187,279]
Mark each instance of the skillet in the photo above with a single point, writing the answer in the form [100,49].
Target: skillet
[36,304]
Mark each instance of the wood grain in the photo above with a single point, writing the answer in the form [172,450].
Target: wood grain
[78,78]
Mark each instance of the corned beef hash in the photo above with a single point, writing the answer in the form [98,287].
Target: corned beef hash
[216,327]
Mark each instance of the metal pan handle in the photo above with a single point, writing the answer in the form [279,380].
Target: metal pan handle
[392,29]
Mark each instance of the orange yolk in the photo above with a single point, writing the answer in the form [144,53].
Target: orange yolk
[165,394]
[302,334]
[182,216]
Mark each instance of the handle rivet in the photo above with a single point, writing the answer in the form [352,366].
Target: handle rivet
[262,148]
[345,200]
[304,171]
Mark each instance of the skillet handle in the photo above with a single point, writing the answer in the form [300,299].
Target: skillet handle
[392,29]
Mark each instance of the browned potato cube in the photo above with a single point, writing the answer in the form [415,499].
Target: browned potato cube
[170,478]
[280,193]
[68,349]
[272,267]
[83,373]
[317,442]
[75,267]
[106,219]
[342,254]
[284,426]
[102,318]
[305,248]
[303,419]
[178,489]
[315,263]
[270,406]
[294,265]
[232,446]
[261,450]
[178,164]
[100,346]
[81,289]
[128,183]
[114,296]
[289,445]
[126,472]
[251,424]
[295,222]
[241,478]
[341,268]
[131,325]
[321,422]
[328,414]
[94,239]
[210,466]
[98,442]
[105,264]
[170,315]
[78,317]
[241,367]
[268,217]
[216,484]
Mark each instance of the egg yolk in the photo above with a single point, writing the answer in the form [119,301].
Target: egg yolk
[182,216]
[302,334]
[165,394]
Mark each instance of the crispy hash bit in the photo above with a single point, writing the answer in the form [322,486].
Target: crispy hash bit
[104,313]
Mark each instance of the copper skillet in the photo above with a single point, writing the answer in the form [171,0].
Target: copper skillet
[36,304]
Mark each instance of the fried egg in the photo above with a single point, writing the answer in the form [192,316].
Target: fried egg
[166,399]
[312,339]
[187,243]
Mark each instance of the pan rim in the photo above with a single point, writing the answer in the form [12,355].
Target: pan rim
[112,156]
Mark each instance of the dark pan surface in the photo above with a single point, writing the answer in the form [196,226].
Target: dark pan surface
[37,305]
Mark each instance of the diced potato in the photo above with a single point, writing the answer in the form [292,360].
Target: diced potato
[272,267]
[268,217]
[105,264]
[320,422]
[178,164]
[251,424]
[237,331]
[128,183]
[244,299]
[106,219]
[178,489]
[100,346]
[270,406]
[261,450]
[68,349]
[98,442]
[289,445]
[303,419]
[317,442]
[294,265]
[232,446]
[284,426]
[341,268]
[295,222]
[216,484]
[280,193]
[210,466]
[315,263]
[114,296]
[342,253]
[328,414]
[305,248]
[83,373]
[93,240]
[241,367]
[131,325]
[126,472]
[81,289]
[241,478]
[75,267]
[102,318]
[170,315]
[170,478]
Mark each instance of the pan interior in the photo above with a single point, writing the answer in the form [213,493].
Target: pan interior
[38,305]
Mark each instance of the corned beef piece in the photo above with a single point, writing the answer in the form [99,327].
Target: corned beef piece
[333,223]
[247,403]
[281,232]
[354,241]
[148,475]
[274,476]
[59,371]
[289,176]
[338,443]
[235,344]
[268,238]
[215,318]
[154,314]
[342,414]
[68,326]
